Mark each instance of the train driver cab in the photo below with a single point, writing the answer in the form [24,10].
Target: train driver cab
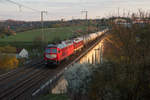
[50,55]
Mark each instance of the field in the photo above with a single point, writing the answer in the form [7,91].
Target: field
[25,39]
[50,34]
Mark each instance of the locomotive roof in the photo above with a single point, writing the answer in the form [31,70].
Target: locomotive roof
[63,44]
[78,39]
[52,45]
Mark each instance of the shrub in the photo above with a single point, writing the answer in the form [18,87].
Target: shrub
[8,49]
[78,78]
[8,62]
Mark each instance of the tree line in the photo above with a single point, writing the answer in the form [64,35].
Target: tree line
[125,71]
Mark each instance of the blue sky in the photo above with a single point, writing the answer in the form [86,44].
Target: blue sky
[67,9]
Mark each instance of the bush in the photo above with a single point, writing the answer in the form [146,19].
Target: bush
[8,49]
[78,78]
[8,62]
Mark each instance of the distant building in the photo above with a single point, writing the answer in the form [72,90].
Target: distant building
[22,53]
[120,21]
[141,21]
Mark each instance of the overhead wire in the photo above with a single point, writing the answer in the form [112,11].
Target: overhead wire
[21,5]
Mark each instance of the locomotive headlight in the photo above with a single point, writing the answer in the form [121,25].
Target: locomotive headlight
[51,56]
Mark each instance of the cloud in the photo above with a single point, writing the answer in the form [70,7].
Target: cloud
[68,8]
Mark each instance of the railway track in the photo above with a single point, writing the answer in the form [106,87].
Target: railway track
[20,84]
[18,70]
[17,85]
[29,83]
[11,84]
[18,75]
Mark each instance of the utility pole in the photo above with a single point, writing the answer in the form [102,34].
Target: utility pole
[97,18]
[118,12]
[72,17]
[86,13]
[86,17]
[20,8]
[42,23]
[123,12]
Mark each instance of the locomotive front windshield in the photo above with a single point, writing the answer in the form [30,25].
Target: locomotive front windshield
[51,50]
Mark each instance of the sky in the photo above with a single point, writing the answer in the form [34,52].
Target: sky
[69,9]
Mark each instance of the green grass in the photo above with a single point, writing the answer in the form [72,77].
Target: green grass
[54,97]
[49,33]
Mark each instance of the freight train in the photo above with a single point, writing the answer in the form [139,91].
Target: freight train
[55,53]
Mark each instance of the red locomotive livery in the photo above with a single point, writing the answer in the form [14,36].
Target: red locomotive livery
[54,54]
[78,44]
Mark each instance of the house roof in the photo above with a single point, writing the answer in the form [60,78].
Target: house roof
[19,50]
[62,44]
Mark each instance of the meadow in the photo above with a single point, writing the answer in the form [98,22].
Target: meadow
[26,39]
[49,33]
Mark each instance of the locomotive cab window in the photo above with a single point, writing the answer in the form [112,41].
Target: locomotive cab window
[47,50]
[53,50]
